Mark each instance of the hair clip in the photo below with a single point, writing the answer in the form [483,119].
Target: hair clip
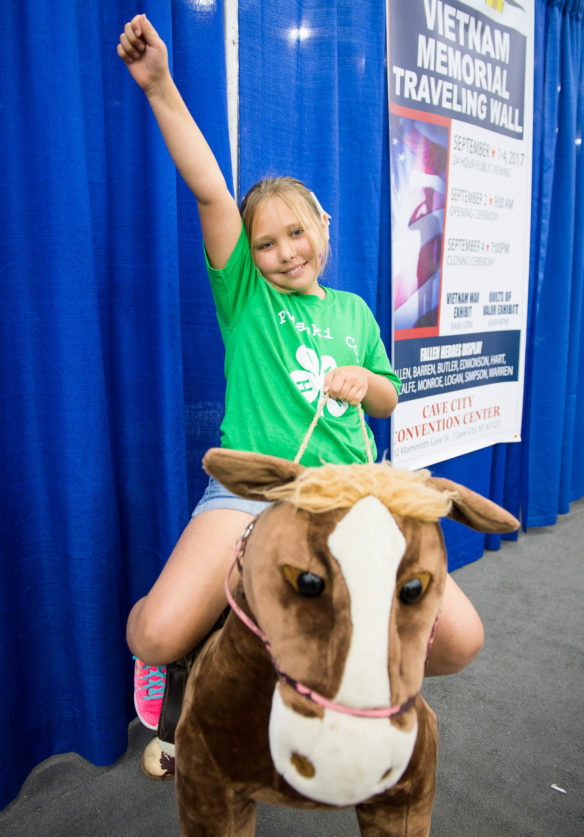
[321,211]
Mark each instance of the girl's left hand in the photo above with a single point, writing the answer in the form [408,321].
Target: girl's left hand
[347,383]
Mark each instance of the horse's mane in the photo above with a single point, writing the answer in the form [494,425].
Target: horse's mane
[329,487]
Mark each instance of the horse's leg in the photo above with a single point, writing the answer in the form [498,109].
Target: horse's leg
[243,823]
[406,809]
[382,819]
[207,807]
[226,815]
[387,818]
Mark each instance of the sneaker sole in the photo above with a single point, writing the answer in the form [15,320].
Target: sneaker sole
[141,719]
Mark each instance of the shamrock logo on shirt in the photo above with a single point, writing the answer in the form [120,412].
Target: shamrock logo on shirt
[310,379]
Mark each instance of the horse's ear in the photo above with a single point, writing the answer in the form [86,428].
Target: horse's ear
[249,474]
[473,510]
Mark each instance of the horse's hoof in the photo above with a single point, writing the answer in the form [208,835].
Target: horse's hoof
[155,763]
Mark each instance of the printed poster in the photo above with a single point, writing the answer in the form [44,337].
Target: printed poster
[460,77]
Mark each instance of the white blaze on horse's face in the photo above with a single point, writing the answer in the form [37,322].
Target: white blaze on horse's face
[353,757]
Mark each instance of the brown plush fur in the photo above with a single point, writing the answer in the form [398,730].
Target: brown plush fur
[223,764]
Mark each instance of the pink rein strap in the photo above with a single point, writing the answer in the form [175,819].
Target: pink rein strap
[300,688]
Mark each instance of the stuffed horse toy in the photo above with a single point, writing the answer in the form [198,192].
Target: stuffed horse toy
[309,696]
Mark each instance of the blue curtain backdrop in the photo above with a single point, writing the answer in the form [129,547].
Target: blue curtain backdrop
[552,452]
[110,358]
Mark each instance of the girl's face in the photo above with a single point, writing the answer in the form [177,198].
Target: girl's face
[282,251]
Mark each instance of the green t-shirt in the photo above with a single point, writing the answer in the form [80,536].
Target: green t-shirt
[278,348]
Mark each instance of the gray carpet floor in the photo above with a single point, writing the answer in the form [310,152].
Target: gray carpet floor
[511,725]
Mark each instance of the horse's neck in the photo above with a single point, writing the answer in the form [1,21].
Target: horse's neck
[240,649]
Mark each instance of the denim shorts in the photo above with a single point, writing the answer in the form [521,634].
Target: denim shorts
[216,496]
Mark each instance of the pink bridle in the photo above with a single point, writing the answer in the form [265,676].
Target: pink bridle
[300,688]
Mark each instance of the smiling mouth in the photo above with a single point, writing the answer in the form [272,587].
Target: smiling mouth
[294,270]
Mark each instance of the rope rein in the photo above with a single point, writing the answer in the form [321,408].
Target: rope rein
[319,410]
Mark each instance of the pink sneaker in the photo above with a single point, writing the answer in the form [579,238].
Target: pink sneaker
[149,683]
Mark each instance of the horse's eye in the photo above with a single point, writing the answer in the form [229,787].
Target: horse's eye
[310,584]
[413,590]
[305,583]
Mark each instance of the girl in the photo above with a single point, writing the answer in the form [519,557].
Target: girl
[287,340]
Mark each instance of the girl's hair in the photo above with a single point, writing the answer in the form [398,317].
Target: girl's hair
[298,199]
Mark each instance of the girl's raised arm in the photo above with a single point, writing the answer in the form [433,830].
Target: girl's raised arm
[145,55]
